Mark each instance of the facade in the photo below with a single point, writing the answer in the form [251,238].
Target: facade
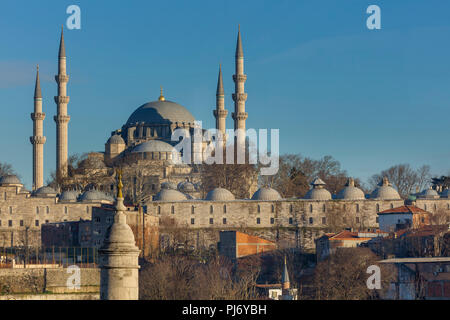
[402,217]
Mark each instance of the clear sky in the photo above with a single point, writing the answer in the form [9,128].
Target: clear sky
[369,98]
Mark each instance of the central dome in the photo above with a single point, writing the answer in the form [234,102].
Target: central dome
[161,112]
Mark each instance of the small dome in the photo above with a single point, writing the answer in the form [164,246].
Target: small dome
[186,187]
[44,191]
[266,194]
[69,196]
[318,192]
[446,193]
[169,195]
[168,185]
[385,191]
[429,194]
[95,195]
[116,139]
[10,179]
[219,194]
[350,192]
[153,146]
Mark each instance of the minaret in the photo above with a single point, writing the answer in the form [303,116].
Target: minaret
[119,266]
[220,113]
[38,139]
[61,118]
[239,115]
[285,284]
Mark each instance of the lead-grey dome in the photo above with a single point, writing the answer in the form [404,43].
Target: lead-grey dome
[10,179]
[161,112]
[168,185]
[153,146]
[186,187]
[95,195]
[350,192]
[385,191]
[116,139]
[169,195]
[219,194]
[69,196]
[45,191]
[266,194]
[429,194]
[318,192]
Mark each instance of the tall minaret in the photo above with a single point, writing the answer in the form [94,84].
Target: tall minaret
[61,118]
[239,115]
[38,139]
[220,113]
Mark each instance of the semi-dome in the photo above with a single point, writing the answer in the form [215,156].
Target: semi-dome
[385,191]
[160,112]
[266,194]
[350,192]
[45,191]
[219,194]
[153,146]
[10,179]
[169,195]
[168,185]
[186,187]
[69,196]
[116,139]
[95,195]
[318,192]
[429,194]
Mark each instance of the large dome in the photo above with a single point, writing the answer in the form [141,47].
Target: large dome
[385,191]
[169,195]
[350,192]
[266,194]
[161,112]
[219,194]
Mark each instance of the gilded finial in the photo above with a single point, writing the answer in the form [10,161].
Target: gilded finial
[161,97]
[119,184]
[37,67]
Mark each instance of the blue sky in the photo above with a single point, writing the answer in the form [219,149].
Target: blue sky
[369,98]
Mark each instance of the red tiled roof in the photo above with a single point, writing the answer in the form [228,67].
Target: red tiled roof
[404,209]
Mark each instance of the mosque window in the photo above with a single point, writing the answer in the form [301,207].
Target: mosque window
[378,208]
[324,208]
[5,196]
[192,210]
[10,210]
[48,210]
[357,207]
[290,220]
[10,223]
[66,210]
[46,221]
[211,221]
[291,208]
[224,208]
[272,220]
[258,220]
[211,209]
[192,221]
[311,220]
[345,207]
[448,206]
[159,210]
[36,223]
[273,208]
[87,209]
[435,207]
[425,207]
[224,220]
[310,208]
[324,220]
[172,209]
[259,208]
[21,223]
[392,206]
[37,210]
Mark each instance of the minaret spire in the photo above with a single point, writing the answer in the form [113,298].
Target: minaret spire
[220,113]
[239,115]
[38,139]
[61,118]
[285,276]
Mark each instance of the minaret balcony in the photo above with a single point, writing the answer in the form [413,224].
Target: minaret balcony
[61,119]
[239,77]
[61,78]
[239,97]
[220,113]
[62,99]
[240,116]
[38,140]
[36,116]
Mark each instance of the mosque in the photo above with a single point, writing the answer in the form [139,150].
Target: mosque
[146,136]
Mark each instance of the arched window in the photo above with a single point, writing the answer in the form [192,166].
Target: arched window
[192,210]
[425,207]
[224,208]
[211,209]
[159,210]
[357,207]
[259,208]
[310,208]
[291,208]
[172,209]
[324,208]
[48,210]
[273,208]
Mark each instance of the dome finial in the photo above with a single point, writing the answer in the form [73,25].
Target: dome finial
[161,97]
[119,184]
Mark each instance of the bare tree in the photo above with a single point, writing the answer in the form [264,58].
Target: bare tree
[6,169]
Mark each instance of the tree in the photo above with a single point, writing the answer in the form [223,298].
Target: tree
[343,275]
[6,169]
[404,178]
